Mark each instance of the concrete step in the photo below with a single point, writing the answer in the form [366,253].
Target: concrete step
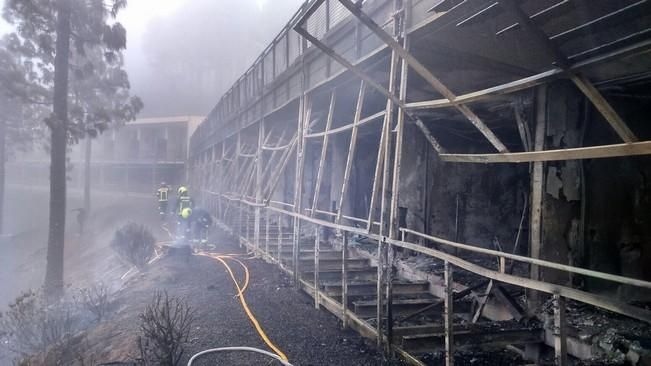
[304,244]
[326,264]
[422,343]
[335,275]
[368,308]
[274,238]
[286,254]
[370,288]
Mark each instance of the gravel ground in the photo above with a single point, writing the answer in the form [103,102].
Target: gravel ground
[309,337]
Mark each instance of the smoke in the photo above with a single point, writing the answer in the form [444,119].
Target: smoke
[183,57]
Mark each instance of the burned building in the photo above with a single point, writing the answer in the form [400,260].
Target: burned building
[133,158]
[428,169]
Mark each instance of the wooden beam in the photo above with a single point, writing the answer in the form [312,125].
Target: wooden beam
[578,153]
[602,105]
[384,155]
[259,163]
[354,69]
[351,152]
[509,303]
[400,130]
[603,302]
[324,153]
[273,183]
[526,83]
[481,302]
[448,314]
[381,271]
[280,239]
[605,108]
[317,248]
[523,126]
[266,232]
[347,127]
[456,296]
[379,164]
[431,139]
[274,151]
[560,331]
[303,121]
[421,70]
[387,193]
[344,280]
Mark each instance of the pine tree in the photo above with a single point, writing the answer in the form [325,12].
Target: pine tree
[52,33]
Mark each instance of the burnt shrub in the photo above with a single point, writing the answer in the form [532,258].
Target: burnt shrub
[165,325]
[134,243]
[96,300]
[30,325]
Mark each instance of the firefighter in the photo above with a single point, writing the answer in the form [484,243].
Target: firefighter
[183,200]
[184,229]
[200,222]
[163,193]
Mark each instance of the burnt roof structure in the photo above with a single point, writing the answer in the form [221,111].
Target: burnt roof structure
[406,122]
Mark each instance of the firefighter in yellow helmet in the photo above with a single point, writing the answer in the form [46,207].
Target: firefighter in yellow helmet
[183,200]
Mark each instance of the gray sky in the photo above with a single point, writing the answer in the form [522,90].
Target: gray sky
[182,55]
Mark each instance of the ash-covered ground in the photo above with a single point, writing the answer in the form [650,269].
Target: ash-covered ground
[306,335]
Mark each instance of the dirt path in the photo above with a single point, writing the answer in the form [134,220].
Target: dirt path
[308,336]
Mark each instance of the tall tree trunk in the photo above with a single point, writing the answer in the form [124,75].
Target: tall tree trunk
[3,159]
[56,234]
[87,158]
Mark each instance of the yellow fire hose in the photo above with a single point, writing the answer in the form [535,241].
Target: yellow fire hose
[240,295]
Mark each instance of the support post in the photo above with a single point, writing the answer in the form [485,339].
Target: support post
[274,153]
[284,160]
[280,239]
[560,331]
[266,232]
[324,153]
[258,184]
[317,246]
[351,152]
[378,172]
[248,220]
[303,120]
[448,315]
[537,190]
[344,280]
[381,275]
[532,352]
[387,202]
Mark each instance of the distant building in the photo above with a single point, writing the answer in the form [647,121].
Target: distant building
[133,158]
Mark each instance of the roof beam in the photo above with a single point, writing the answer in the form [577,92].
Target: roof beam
[423,72]
[543,41]
[579,153]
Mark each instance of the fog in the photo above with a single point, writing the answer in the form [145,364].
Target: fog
[183,55]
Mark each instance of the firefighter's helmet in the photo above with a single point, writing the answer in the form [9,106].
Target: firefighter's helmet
[183,190]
